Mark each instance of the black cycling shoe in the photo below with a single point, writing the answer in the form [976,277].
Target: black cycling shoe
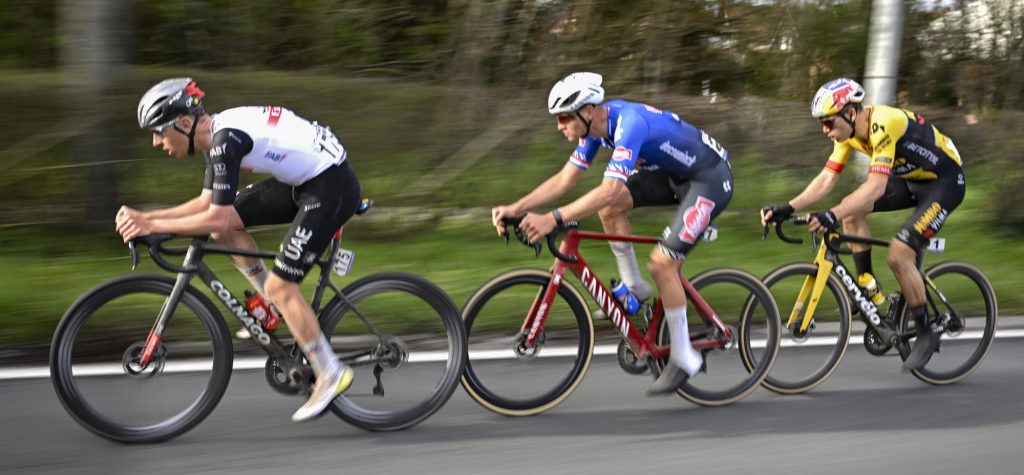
[927,343]
[669,381]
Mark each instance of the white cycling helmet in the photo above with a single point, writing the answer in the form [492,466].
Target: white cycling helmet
[834,96]
[575,91]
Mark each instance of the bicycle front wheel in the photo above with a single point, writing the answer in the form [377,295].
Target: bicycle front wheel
[403,337]
[746,306]
[969,312]
[95,365]
[504,374]
[807,358]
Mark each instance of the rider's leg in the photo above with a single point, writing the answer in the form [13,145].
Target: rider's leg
[700,200]
[333,377]
[665,271]
[615,221]
[296,311]
[903,261]
[858,226]
[323,204]
[935,201]
[253,268]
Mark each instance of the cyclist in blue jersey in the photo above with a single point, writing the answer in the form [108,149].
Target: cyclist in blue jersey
[311,186]
[657,159]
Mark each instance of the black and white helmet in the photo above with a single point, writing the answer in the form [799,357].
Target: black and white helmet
[168,100]
[575,91]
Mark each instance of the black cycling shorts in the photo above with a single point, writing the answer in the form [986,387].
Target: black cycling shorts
[316,209]
[933,201]
[700,199]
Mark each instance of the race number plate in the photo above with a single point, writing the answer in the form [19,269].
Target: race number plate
[936,245]
[343,261]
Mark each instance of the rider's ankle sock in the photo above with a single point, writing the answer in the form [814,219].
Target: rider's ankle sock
[320,355]
[629,270]
[862,262]
[920,314]
[682,352]
[256,274]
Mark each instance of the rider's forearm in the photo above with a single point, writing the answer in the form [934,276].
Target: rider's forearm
[211,220]
[862,200]
[194,206]
[593,201]
[817,189]
[550,190]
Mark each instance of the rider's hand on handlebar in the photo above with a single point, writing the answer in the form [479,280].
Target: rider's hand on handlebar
[773,213]
[131,224]
[822,221]
[499,213]
[536,226]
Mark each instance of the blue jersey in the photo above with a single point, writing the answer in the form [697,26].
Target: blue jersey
[650,138]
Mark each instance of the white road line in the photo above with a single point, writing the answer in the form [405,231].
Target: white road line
[248,363]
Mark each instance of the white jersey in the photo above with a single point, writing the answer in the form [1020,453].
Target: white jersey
[269,140]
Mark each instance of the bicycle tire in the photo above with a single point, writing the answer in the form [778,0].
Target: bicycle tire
[89,305]
[789,376]
[447,352]
[698,388]
[489,392]
[930,373]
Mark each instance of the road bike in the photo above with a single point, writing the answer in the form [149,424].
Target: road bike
[960,300]
[531,334]
[144,358]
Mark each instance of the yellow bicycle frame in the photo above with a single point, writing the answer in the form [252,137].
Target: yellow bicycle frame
[813,286]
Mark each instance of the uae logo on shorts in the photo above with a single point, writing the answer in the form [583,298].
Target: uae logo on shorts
[695,219]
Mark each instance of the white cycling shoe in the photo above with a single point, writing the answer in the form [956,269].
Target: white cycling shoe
[672,376]
[328,387]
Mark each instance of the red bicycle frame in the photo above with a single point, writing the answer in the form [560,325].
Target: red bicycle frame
[640,343]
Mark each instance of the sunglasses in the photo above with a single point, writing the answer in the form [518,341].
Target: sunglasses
[159,130]
[828,122]
[564,118]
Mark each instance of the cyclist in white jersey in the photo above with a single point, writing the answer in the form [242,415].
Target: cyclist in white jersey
[312,186]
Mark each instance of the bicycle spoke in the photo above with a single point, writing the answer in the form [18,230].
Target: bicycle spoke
[407,342]
[100,378]
[508,377]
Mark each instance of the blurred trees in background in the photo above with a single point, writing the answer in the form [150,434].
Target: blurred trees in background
[469,59]
[778,49]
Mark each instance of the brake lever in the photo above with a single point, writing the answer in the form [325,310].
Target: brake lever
[537,246]
[134,253]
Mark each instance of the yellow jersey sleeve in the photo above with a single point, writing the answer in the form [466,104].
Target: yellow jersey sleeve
[841,153]
[887,127]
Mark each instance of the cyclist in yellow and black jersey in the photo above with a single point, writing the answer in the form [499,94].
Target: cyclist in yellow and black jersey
[913,165]
[903,144]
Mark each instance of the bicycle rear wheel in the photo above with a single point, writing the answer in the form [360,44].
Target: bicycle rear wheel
[807,359]
[743,303]
[408,354]
[971,310]
[503,374]
[94,360]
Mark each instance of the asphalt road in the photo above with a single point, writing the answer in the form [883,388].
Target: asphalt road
[868,418]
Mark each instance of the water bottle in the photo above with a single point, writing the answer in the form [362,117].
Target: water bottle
[624,296]
[875,293]
[259,308]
